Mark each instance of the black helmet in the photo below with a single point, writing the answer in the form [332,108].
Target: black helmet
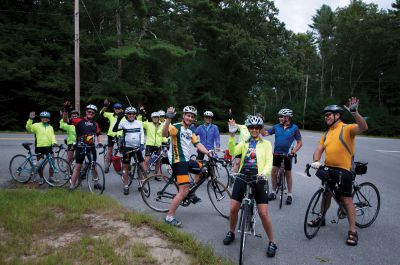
[333,109]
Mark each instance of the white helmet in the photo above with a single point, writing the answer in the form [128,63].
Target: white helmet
[45,114]
[130,110]
[286,112]
[92,107]
[161,113]
[208,114]
[190,109]
[155,114]
[254,121]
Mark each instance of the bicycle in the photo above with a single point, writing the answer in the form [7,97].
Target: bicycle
[137,172]
[161,193]
[92,171]
[54,170]
[281,178]
[366,199]
[248,211]
[115,158]
[160,158]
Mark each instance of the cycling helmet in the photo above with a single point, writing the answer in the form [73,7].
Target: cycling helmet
[45,114]
[75,112]
[208,114]
[286,112]
[333,109]
[92,107]
[190,109]
[117,106]
[253,121]
[155,114]
[161,112]
[130,110]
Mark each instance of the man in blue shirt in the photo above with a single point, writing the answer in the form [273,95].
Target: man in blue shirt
[285,133]
[208,134]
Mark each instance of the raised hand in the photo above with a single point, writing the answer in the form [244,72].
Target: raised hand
[170,113]
[32,115]
[106,103]
[352,106]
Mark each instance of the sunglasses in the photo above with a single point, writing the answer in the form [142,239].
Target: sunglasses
[254,128]
[131,113]
[281,116]
[90,112]
[328,114]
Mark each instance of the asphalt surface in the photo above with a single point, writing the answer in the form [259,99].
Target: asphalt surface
[378,244]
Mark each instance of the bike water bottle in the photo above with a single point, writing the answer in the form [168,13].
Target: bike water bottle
[153,158]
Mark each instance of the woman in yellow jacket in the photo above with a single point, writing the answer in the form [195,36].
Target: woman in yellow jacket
[256,159]
[153,132]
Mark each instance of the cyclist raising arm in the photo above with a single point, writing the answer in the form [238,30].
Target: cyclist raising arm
[71,139]
[153,132]
[179,155]
[338,144]
[256,159]
[133,139]
[285,133]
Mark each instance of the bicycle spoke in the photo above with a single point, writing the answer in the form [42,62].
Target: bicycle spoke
[366,200]
[21,169]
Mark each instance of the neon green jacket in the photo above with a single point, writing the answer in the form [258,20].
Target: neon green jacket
[263,153]
[112,119]
[244,133]
[70,129]
[44,134]
[153,133]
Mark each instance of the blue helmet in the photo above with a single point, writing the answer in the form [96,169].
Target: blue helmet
[45,114]
[117,106]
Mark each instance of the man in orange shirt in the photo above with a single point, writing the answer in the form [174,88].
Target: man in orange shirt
[338,145]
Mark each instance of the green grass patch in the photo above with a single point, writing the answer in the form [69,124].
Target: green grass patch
[53,227]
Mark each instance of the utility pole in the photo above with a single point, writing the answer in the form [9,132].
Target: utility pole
[305,101]
[77,69]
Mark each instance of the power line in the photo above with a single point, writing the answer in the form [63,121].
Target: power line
[90,18]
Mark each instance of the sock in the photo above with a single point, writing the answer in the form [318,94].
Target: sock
[126,186]
[289,194]
[169,218]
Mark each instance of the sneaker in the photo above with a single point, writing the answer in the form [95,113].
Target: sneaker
[289,200]
[272,196]
[173,222]
[106,170]
[98,186]
[316,221]
[126,190]
[230,236]
[271,250]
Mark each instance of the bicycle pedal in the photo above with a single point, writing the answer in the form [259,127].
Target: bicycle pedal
[334,222]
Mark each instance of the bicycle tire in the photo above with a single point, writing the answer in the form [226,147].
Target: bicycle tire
[21,169]
[367,204]
[93,181]
[160,193]
[220,197]
[222,173]
[131,175]
[60,170]
[313,211]
[281,187]
[244,225]
[142,186]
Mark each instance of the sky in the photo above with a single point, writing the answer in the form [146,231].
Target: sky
[296,14]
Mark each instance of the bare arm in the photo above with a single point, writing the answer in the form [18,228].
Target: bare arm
[202,148]
[352,107]
[165,130]
[318,153]
[299,144]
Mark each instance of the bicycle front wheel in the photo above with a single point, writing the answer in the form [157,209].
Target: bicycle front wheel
[281,185]
[244,227]
[158,195]
[220,197]
[314,210]
[95,178]
[21,169]
[56,171]
[367,203]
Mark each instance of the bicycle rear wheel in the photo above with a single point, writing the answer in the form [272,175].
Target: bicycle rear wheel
[56,171]
[244,227]
[95,178]
[220,197]
[313,212]
[367,202]
[21,169]
[159,194]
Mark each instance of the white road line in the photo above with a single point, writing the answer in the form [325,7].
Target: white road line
[388,151]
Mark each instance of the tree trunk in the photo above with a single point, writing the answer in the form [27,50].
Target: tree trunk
[118,26]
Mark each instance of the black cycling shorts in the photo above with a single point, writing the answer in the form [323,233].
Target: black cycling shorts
[260,191]
[181,171]
[44,150]
[343,186]
[151,148]
[80,154]
[110,141]
[126,157]
[287,162]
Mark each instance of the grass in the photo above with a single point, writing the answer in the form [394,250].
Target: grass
[31,221]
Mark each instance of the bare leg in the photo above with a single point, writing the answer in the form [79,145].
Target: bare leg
[289,180]
[274,175]
[176,201]
[233,216]
[266,220]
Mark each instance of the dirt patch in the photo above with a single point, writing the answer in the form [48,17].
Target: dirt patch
[125,238]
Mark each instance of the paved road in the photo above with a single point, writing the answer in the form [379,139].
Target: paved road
[378,244]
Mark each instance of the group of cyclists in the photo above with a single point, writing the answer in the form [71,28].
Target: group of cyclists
[253,155]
